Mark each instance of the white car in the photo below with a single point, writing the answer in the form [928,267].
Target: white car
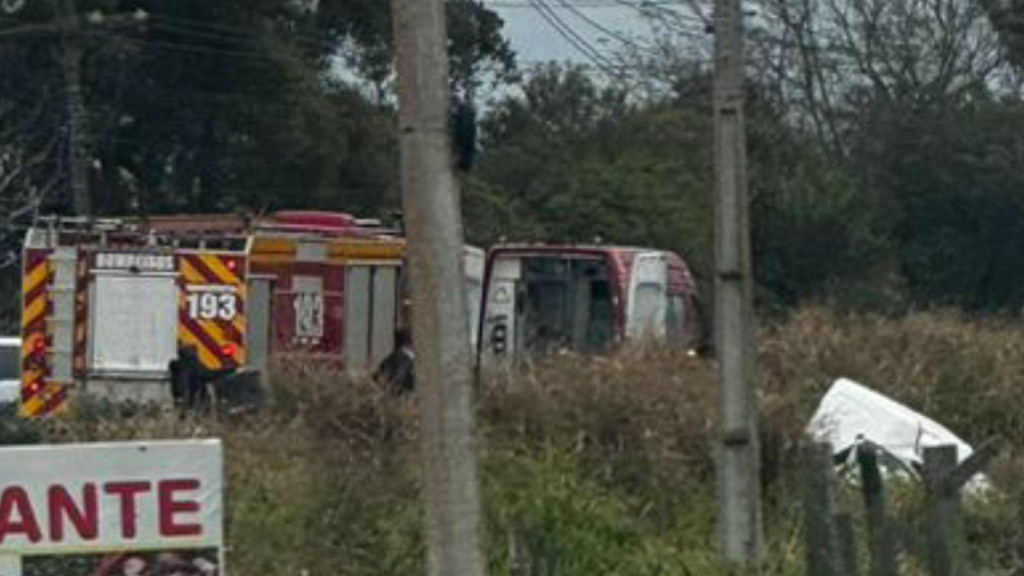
[10,370]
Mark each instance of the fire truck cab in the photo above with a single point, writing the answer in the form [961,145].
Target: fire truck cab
[589,299]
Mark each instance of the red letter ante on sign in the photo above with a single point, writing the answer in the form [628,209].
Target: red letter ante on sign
[69,513]
[16,515]
[170,507]
[127,492]
[85,517]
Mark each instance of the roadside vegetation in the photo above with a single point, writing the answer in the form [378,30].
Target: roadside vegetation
[592,466]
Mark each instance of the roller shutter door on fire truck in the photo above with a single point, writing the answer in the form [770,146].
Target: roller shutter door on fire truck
[134,322]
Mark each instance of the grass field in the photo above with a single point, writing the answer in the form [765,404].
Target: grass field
[594,467]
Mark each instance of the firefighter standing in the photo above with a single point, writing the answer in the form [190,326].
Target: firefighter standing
[395,372]
[189,379]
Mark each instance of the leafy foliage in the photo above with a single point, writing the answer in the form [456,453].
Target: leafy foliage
[571,160]
[878,181]
[238,104]
[574,161]
[953,171]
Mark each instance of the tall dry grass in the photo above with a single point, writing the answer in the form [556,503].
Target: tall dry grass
[967,374]
[591,466]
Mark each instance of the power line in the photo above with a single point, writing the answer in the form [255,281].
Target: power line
[588,4]
[239,43]
[698,18]
[252,55]
[625,67]
[178,47]
[227,32]
[563,30]
[200,25]
[573,38]
[602,28]
[41,29]
[678,27]
[185,31]
[678,21]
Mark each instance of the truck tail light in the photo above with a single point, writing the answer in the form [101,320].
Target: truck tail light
[228,350]
[33,388]
[38,354]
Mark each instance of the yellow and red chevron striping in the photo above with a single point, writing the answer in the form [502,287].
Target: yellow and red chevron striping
[34,298]
[211,308]
[38,398]
[81,347]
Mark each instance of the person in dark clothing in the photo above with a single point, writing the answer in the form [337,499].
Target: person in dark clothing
[395,372]
[190,379]
[185,385]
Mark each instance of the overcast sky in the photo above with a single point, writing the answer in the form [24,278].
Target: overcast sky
[535,39]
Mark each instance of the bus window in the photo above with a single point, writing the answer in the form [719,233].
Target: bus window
[546,316]
[599,333]
[676,319]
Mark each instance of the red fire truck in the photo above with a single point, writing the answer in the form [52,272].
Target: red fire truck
[586,298]
[107,304]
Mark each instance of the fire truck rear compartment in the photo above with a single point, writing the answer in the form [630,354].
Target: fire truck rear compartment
[134,322]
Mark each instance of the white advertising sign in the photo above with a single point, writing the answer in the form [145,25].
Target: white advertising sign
[96,498]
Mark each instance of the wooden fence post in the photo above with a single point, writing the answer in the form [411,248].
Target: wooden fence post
[823,557]
[880,533]
[943,480]
[945,531]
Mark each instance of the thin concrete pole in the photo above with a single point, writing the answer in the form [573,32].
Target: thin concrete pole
[440,328]
[739,491]
[72,56]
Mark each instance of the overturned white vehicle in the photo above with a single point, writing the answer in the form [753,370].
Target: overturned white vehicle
[851,416]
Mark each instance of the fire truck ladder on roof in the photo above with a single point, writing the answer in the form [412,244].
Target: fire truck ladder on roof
[194,235]
[47,230]
[81,223]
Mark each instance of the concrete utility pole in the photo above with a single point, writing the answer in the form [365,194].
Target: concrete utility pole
[739,491]
[444,384]
[72,64]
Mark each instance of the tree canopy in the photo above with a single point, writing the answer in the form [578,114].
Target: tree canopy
[884,137]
